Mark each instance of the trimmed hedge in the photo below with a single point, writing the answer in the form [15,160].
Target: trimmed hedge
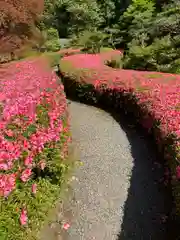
[34,139]
[152,98]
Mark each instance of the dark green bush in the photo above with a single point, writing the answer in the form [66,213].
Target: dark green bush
[90,42]
[162,55]
[52,42]
[156,47]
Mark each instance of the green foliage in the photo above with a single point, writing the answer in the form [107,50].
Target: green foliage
[167,22]
[52,42]
[107,8]
[71,17]
[105,49]
[147,30]
[111,10]
[90,42]
[160,56]
[48,15]
[135,21]
[159,51]
[115,62]
[83,15]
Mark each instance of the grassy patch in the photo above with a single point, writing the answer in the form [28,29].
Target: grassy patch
[105,49]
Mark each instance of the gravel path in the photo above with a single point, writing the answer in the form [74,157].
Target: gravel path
[117,195]
[117,191]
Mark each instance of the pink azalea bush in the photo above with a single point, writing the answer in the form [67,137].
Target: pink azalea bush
[69,51]
[153,98]
[92,60]
[34,133]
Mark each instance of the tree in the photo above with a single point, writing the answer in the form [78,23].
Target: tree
[161,3]
[167,22]
[18,22]
[48,15]
[161,52]
[90,41]
[135,21]
[107,8]
[52,42]
[70,17]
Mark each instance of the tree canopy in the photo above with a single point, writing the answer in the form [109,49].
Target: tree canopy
[18,23]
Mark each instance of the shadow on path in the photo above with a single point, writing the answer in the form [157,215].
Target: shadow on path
[149,201]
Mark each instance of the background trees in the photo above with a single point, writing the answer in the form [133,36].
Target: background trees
[160,50]
[147,30]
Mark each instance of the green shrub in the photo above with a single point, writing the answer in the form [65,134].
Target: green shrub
[52,42]
[90,42]
[115,62]
[162,55]
[155,44]
[105,49]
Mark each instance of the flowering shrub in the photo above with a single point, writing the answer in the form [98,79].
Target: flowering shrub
[153,98]
[34,137]
[92,60]
[69,51]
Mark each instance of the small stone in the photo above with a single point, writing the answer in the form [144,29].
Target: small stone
[73,178]
[53,225]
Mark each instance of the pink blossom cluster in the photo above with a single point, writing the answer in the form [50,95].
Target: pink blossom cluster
[69,51]
[30,98]
[97,60]
[7,184]
[158,94]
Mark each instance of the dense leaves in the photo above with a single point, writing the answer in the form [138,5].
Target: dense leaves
[18,23]
[52,42]
[70,17]
[156,42]
[90,41]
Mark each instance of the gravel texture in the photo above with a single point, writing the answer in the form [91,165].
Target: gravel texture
[115,194]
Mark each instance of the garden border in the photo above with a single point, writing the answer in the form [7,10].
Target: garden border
[100,96]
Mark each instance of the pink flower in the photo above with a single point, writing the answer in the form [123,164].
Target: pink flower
[2,124]
[7,184]
[25,144]
[34,188]
[42,165]
[28,161]
[9,133]
[156,94]
[66,226]
[26,174]
[178,172]
[23,217]
[4,166]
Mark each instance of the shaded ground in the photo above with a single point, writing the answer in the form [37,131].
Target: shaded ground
[117,194]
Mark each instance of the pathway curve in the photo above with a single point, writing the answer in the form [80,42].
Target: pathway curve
[117,190]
